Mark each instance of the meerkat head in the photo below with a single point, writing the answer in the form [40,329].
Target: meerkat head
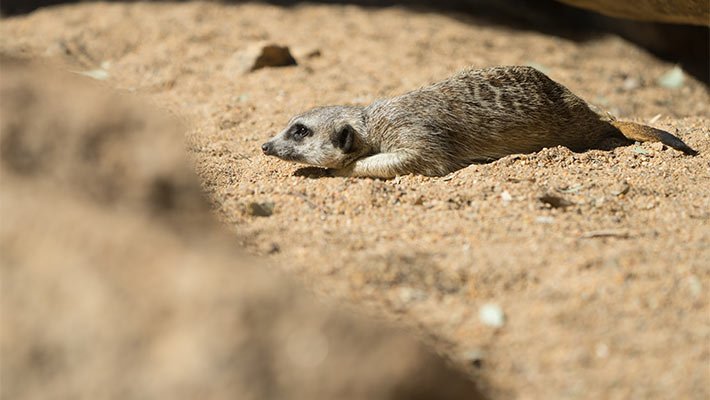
[330,137]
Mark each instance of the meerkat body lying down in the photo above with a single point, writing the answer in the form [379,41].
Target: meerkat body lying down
[473,116]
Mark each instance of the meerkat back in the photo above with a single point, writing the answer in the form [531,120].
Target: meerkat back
[482,115]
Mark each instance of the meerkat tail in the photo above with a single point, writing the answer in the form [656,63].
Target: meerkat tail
[643,133]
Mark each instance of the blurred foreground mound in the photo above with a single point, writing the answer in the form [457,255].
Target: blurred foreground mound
[117,284]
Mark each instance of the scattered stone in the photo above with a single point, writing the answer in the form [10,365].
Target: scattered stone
[505,196]
[275,248]
[655,118]
[264,55]
[696,288]
[555,201]
[450,176]
[227,124]
[619,233]
[474,356]
[545,220]
[570,190]
[658,146]
[491,315]
[313,53]
[621,188]
[408,294]
[599,201]
[241,97]
[672,79]
[260,209]
[601,350]
[648,206]
[98,74]
[631,84]
[448,282]
[640,150]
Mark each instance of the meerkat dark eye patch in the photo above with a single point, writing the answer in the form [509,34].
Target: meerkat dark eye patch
[344,138]
[299,131]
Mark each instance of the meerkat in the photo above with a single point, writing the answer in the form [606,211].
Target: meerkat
[473,116]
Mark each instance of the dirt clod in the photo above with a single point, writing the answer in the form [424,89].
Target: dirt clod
[264,55]
[260,209]
[555,201]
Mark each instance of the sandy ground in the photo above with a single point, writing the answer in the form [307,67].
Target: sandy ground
[603,297]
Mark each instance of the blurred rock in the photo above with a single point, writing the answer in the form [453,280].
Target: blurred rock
[491,315]
[117,284]
[263,55]
[555,201]
[674,11]
[260,209]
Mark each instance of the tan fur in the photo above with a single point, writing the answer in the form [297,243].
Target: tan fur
[473,116]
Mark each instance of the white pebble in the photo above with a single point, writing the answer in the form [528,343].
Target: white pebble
[491,315]
[672,79]
[602,350]
[407,294]
[696,288]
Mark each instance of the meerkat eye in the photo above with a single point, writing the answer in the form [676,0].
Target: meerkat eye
[300,131]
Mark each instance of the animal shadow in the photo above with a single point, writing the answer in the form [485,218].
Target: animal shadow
[311,172]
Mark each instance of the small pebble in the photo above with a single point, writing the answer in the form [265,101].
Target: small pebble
[658,146]
[491,315]
[474,356]
[696,288]
[408,294]
[672,79]
[260,209]
[555,201]
[275,248]
[654,119]
[640,150]
[601,350]
[630,84]
[98,74]
[264,55]
[620,188]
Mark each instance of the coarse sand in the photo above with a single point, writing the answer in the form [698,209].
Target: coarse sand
[599,261]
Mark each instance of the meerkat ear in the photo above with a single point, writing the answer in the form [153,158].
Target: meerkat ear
[345,138]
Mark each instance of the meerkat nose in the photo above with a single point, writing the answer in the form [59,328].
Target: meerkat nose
[266,148]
